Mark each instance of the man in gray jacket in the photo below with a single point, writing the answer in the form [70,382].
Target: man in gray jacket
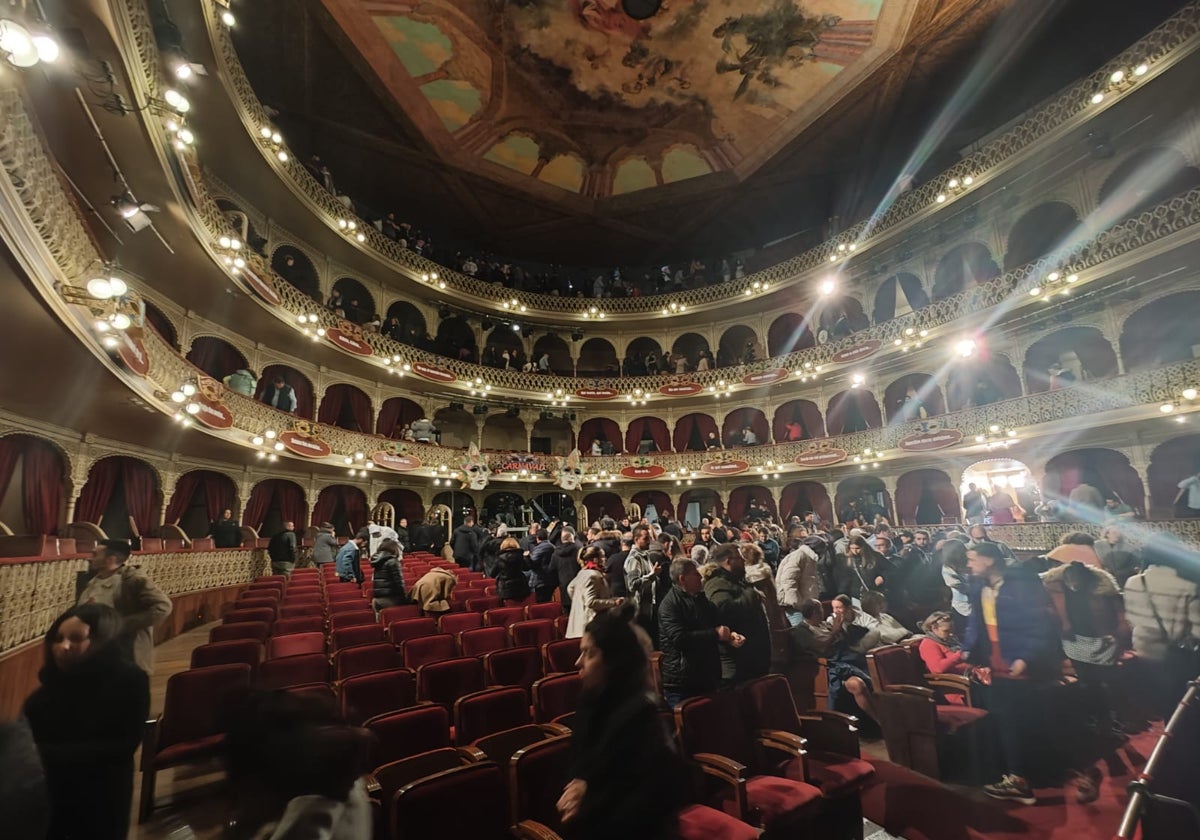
[325,545]
[127,590]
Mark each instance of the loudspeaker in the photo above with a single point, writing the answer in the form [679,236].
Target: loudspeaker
[456,406]
[480,409]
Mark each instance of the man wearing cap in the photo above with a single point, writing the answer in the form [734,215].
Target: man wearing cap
[349,568]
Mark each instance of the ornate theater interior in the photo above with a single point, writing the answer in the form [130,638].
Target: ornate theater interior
[873,268]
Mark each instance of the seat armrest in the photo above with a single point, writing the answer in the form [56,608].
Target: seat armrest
[917,690]
[533,830]
[150,732]
[554,729]
[953,683]
[728,771]
[785,740]
[787,744]
[831,732]
[374,789]
[472,755]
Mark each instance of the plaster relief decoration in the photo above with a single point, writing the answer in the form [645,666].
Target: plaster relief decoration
[213,412]
[475,469]
[570,471]
[302,440]
[578,95]
[643,468]
[394,456]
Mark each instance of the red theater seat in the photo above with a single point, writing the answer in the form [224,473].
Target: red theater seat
[363,697]
[293,670]
[489,711]
[347,607]
[300,624]
[444,682]
[514,666]
[257,630]
[551,610]
[236,616]
[406,732]
[236,651]
[561,657]
[425,649]
[537,775]
[455,623]
[411,628]
[289,610]
[533,633]
[366,634]
[433,806]
[256,603]
[390,614]
[482,640]
[503,616]
[295,644]
[352,619]
[555,696]
[488,602]
[365,659]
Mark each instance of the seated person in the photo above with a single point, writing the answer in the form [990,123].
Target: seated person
[941,650]
[891,631]
[853,634]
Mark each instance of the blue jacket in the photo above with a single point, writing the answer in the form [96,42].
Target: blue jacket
[541,561]
[1026,619]
[347,563]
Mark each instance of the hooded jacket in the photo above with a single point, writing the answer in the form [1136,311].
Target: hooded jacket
[1099,612]
[388,583]
[511,583]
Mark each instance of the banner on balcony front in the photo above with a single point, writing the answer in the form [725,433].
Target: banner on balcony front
[397,461]
[303,442]
[642,469]
[262,285]
[821,457]
[724,466]
[857,352]
[349,337]
[433,373]
[680,388]
[132,354]
[213,412]
[596,393]
[765,377]
[930,440]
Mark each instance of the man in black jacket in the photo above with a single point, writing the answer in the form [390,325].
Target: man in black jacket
[614,565]
[282,550]
[566,561]
[688,636]
[464,543]
[738,605]
[545,574]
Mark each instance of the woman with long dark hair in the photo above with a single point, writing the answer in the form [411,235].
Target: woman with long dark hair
[87,717]
[626,779]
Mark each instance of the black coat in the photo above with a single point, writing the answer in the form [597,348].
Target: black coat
[566,562]
[510,575]
[614,573]
[87,723]
[282,547]
[687,637]
[429,537]
[226,533]
[740,608]
[489,556]
[387,582]
[464,543]
[541,561]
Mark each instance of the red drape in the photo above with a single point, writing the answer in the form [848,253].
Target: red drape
[394,414]
[656,429]
[354,502]
[915,484]
[338,398]
[926,389]
[610,502]
[407,504]
[305,400]
[599,428]
[1170,463]
[289,497]
[800,497]
[141,493]
[803,411]
[96,492]
[216,357]
[42,479]
[845,405]
[731,428]
[218,494]
[185,488]
[1067,471]
[660,500]
[11,450]
[351,501]
[739,502]
[691,427]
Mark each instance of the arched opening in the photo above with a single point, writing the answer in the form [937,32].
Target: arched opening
[738,346]
[1170,463]
[396,414]
[1162,332]
[122,495]
[557,353]
[745,427]
[686,351]
[161,324]
[750,503]
[798,420]
[405,324]
[407,504]
[697,503]
[1002,481]
[274,502]
[456,428]
[548,507]
[913,396]
[503,349]
[597,357]
[503,506]
[1105,469]
[301,387]
[501,432]
[654,504]
[963,267]
[803,497]
[900,294]
[353,300]
[455,339]
[601,504]
[1068,357]
[693,432]
[980,381]
[216,357]
[603,431]
[461,505]
[862,497]
[33,474]
[200,497]
[294,266]
[346,407]
[788,333]
[853,410]
[344,506]
[1145,179]
[643,356]
[647,434]
[841,318]
[926,497]
[552,436]
[1039,232]
[239,220]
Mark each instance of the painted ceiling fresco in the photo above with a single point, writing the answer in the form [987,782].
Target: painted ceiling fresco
[577,95]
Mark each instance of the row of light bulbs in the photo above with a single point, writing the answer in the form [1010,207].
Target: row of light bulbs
[1120,80]
[1056,282]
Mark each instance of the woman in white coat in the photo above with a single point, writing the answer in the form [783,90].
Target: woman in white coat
[589,592]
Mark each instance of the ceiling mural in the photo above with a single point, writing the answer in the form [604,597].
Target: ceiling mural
[577,95]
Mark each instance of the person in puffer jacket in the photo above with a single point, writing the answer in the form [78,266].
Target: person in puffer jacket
[388,582]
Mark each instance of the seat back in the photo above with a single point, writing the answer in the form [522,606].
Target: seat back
[389,614]
[561,657]
[514,666]
[257,630]
[300,624]
[491,710]
[502,746]
[411,628]
[444,682]
[344,607]
[358,618]
[425,649]
[768,703]
[293,670]
[532,633]
[200,702]
[892,665]
[455,623]
[365,659]
[482,640]
[363,634]
[394,775]
[503,616]
[554,696]
[550,610]
[344,596]
[433,806]
[266,616]
[713,724]
[537,775]
[484,603]
[295,644]
[248,603]
[406,732]
[312,610]
[232,652]
[367,695]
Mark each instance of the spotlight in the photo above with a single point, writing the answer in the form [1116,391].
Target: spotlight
[227,18]
[965,348]
[828,287]
[515,327]
[16,44]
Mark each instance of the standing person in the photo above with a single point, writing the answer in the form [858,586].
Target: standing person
[226,532]
[464,544]
[1086,502]
[610,795]
[642,568]
[740,607]
[282,550]
[545,573]
[379,532]
[325,545]
[141,605]
[689,636]
[1189,494]
[588,592]
[979,534]
[1117,556]
[388,581]
[798,580]
[349,558]
[430,536]
[974,504]
[280,395]
[511,583]
[87,717]
[566,563]
[402,534]
[956,575]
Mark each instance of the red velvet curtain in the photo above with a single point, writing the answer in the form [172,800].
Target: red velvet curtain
[323,510]
[849,403]
[218,494]
[688,427]
[599,428]
[42,479]
[804,411]
[96,492]
[739,502]
[394,414]
[731,429]
[216,357]
[1067,471]
[407,504]
[660,500]
[141,493]
[338,398]
[916,484]
[11,450]
[647,427]
[299,383]
[354,503]
[800,497]
[185,488]
[610,502]
[290,502]
[351,500]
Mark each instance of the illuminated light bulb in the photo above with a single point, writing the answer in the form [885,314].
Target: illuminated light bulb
[1141,69]
[186,136]
[442,283]
[238,262]
[909,331]
[121,321]
[276,138]
[1166,408]
[1189,393]
[953,184]
[353,225]
[257,440]
[979,438]
[227,18]
[99,287]
[269,434]
[348,460]
[748,293]
[1071,278]
[1117,77]
[183,70]
[360,237]
[965,348]
[264,132]
[278,446]
[260,455]
[1097,98]
[968,180]
[842,246]
[664,310]
[898,342]
[369,465]
[188,389]
[178,396]
[941,197]
[1012,433]
[193,408]
[321,331]
[1035,291]
[282,155]
[828,287]
[174,98]
[833,257]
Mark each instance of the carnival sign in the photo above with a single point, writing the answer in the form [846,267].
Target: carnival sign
[396,461]
[858,352]
[433,373]
[680,389]
[928,441]
[724,467]
[765,377]
[213,413]
[643,472]
[596,393]
[347,340]
[262,285]
[304,445]
[132,354]
[821,457]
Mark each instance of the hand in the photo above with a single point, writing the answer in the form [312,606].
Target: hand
[723,634]
[572,795]
[737,639]
[657,569]
[1018,667]
[879,581]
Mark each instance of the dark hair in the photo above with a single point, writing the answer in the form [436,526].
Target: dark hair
[363,534]
[591,552]
[679,567]
[1077,538]
[624,657]
[723,552]
[954,555]
[389,545]
[812,608]
[104,625]
[543,535]
[607,523]
[873,602]
[844,600]
[640,529]
[115,548]
[991,551]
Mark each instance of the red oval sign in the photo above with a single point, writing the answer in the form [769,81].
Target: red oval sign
[724,467]
[213,414]
[681,389]
[927,441]
[651,471]
[400,463]
[264,287]
[308,447]
[595,393]
[348,342]
[821,457]
[858,352]
[433,373]
[133,354]
[764,377]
